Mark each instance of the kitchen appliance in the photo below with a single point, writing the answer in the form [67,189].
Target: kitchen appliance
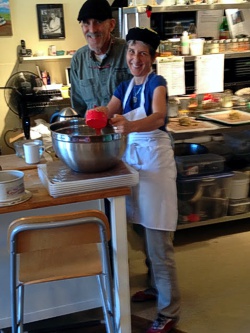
[25,96]
[65,114]
[78,146]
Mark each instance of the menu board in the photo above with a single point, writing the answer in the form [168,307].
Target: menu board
[172,69]
[209,73]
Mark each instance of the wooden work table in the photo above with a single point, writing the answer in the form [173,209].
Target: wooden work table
[66,296]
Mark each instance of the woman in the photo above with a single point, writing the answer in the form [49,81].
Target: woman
[139,109]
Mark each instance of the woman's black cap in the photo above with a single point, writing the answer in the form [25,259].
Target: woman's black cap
[95,9]
[144,35]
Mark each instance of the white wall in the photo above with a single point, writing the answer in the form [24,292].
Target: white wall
[25,26]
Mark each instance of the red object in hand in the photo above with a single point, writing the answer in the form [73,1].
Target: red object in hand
[96,119]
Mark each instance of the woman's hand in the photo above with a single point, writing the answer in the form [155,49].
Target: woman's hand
[121,124]
[103,109]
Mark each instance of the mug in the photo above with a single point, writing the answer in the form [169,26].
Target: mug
[18,146]
[31,152]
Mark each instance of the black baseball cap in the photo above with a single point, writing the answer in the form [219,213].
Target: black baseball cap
[95,9]
[144,35]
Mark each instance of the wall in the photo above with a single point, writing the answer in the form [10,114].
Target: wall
[25,26]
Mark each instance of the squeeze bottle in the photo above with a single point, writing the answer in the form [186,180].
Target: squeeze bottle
[185,43]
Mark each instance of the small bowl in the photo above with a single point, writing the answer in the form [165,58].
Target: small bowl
[60,52]
[11,185]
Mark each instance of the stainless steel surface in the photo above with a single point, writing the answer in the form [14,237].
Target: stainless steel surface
[65,114]
[78,146]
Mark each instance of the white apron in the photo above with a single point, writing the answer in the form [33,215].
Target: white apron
[153,202]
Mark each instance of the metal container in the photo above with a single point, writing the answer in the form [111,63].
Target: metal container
[78,146]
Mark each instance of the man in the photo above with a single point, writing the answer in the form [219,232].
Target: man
[99,67]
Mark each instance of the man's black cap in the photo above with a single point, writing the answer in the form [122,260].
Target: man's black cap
[95,9]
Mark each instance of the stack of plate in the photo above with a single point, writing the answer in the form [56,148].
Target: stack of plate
[60,180]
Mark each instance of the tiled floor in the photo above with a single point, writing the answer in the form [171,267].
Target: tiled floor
[214,271]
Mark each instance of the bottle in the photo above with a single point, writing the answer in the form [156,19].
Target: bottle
[44,77]
[192,31]
[224,29]
[178,30]
[185,43]
[48,78]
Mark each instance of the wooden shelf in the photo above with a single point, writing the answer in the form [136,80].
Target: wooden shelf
[46,58]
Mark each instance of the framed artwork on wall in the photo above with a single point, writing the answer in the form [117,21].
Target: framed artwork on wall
[50,21]
[5,19]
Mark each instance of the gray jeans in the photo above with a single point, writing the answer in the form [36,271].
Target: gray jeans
[160,251]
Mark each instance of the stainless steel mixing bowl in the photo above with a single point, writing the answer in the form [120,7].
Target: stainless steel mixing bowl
[78,146]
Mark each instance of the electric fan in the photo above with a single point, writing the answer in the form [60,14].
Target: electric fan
[25,97]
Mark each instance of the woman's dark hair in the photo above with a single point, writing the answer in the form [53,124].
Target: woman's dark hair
[152,51]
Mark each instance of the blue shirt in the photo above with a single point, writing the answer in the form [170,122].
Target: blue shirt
[134,98]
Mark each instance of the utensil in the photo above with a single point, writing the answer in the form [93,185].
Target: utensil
[78,146]
[96,119]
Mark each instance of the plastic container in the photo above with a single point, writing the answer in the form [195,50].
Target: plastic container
[239,142]
[196,46]
[201,164]
[241,206]
[203,197]
[240,186]
[182,149]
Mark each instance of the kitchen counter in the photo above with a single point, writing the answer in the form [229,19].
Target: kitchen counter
[67,296]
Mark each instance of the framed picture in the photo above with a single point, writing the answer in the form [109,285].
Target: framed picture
[50,21]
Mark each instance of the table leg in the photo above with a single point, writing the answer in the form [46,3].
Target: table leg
[120,264]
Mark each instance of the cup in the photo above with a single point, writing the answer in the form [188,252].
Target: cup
[18,146]
[31,152]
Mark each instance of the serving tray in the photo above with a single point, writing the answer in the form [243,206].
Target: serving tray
[60,180]
[223,117]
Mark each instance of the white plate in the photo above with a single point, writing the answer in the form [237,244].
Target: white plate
[207,127]
[222,117]
[26,196]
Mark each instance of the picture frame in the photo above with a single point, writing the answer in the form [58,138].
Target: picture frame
[50,21]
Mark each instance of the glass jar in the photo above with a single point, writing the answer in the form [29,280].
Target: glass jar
[165,48]
[227,99]
[228,44]
[222,46]
[207,47]
[246,44]
[235,45]
[175,46]
[215,46]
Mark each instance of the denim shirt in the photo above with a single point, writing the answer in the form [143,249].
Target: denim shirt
[93,82]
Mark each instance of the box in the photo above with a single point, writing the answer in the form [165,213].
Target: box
[240,206]
[203,197]
[239,142]
[200,164]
